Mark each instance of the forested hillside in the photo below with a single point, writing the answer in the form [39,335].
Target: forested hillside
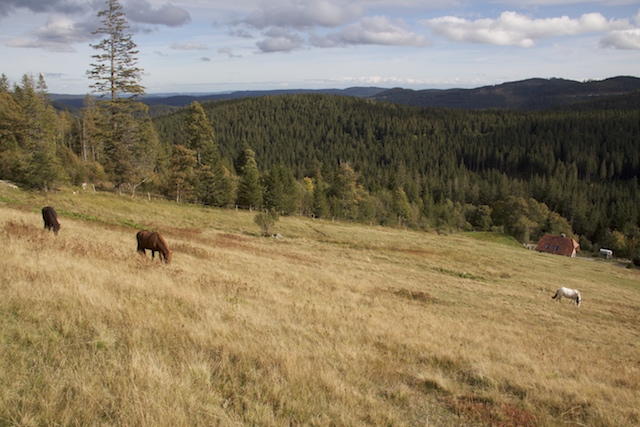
[455,168]
[572,171]
[525,95]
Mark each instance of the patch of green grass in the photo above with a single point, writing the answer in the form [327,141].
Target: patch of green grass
[81,216]
[488,236]
[461,274]
[8,200]
[132,224]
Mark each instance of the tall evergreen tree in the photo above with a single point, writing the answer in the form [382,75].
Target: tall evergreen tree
[280,190]
[249,188]
[344,192]
[90,142]
[39,139]
[319,204]
[116,74]
[214,185]
[181,173]
[11,129]
[115,69]
[4,83]
[200,135]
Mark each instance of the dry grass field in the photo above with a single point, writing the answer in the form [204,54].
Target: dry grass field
[334,324]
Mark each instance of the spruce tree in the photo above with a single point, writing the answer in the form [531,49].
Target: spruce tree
[344,191]
[90,143]
[4,83]
[319,204]
[115,70]
[214,185]
[115,73]
[181,173]
[43,169]
[249,189]
[273,191]
[200,135]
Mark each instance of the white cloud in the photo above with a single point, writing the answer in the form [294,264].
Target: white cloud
[167,14]
[623,39]
[279,40]
[227,51]
[61,31]
[378,30]
[58,35]
[189,46]
[300,14]
[61,6]
[514,29]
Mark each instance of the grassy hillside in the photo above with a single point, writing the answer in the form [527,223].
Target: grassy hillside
[333,324]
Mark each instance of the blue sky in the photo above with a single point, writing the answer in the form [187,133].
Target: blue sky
[211,46]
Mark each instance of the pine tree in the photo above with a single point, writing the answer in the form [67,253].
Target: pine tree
[249,189]
[4,83]
[214,185]
[90,143]
[201,138]
[115,73]
[43,169]
[115,70]
[181,173]
[11,130]
[344,191]
[319,204]
[273,191]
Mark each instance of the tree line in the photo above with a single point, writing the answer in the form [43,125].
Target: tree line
[564,171]
[329,156]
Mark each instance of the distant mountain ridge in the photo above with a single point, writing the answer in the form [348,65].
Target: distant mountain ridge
[182,100]
[524,95]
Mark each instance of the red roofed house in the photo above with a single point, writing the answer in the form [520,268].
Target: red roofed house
[559,245]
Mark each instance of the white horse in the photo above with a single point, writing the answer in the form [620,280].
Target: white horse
[572,294]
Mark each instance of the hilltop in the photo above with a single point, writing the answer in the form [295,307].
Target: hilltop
[335,323]
[526,95]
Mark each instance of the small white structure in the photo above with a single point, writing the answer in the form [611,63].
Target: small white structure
[606,253]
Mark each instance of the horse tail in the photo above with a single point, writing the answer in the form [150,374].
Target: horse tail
[555,296]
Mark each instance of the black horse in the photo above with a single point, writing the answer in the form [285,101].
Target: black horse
[50,218]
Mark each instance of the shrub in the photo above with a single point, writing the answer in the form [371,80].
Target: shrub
[266,221]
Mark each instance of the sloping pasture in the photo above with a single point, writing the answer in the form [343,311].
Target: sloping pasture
[333,324]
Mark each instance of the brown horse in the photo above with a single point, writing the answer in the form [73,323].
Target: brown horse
[50,218]
[155,243]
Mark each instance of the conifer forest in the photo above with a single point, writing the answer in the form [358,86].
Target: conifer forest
[572,171]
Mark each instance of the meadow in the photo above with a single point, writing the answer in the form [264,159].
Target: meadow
[333,324]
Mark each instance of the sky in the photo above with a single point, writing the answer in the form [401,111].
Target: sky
[210,46]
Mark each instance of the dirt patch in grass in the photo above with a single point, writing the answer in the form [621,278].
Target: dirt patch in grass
[484,411]
[416,296]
